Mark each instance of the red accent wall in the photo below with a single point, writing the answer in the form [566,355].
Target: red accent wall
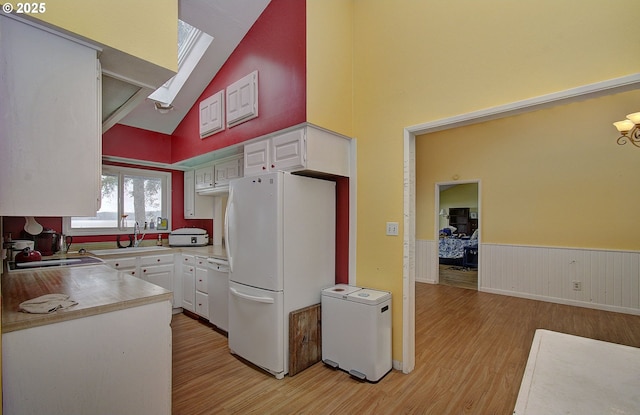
[136,143]
[276,47]
[342,230]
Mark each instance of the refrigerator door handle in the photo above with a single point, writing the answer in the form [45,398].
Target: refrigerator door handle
[227,244]
[237,293]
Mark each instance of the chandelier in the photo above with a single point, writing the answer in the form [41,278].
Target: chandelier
[630,129]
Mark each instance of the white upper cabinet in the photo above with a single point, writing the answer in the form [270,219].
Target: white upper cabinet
[50,140]
[307,148]
[227,170]
[195,206]
[212,115]
[287,152]
[256,158]
[204,178]
[242,100]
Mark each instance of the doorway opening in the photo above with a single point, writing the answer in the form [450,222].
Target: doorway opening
[457,227]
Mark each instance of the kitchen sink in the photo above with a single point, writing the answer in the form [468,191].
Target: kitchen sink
[120,251]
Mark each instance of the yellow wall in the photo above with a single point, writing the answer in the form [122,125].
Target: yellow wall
[330,64]
[553,177]
[418,61]
[460,196]
[142,28]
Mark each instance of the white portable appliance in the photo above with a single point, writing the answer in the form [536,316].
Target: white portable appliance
[189,237]
[280,232]
[356,331]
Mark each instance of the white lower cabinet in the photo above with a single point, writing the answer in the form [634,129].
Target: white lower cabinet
[197,285]
[188,282]
[156,269]
[201,288]
[128,265]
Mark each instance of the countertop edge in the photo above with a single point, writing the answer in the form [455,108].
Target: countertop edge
[69,314]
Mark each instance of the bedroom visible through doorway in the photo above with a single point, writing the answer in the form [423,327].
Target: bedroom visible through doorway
[458,234]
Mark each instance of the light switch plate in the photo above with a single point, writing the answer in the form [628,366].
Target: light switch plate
[392,228]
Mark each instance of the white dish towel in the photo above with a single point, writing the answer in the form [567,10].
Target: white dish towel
[46,304]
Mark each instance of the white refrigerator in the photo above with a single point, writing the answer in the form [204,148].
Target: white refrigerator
[280,239]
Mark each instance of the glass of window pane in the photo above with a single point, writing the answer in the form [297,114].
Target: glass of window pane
[107,216]
[142,199]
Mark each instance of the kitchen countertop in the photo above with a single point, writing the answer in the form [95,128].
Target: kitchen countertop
[210,251]
[98,289]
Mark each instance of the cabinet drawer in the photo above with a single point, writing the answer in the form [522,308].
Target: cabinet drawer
[156,259]
[152,269]
[188,259]
[121,263]
[201,280]
[202,304]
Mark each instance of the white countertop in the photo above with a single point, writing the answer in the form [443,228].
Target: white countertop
[568,374]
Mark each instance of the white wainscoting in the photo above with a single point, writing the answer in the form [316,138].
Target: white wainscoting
[426,261]
[610,279]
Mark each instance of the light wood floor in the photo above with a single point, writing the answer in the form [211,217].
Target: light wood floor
[471,351]
[455,276]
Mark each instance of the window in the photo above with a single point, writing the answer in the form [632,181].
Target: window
[192,44]
[128,196]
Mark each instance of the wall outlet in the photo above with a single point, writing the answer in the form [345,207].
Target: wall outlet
[577,285]
[392,228]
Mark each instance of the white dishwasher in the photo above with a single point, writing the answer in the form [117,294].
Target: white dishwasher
[356,331]
[218,270]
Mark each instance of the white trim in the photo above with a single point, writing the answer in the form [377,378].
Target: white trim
[564,301]
[120,172]
[608,87]
[435,269]
[353,210]
[409,255]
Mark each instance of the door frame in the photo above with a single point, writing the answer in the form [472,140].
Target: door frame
[435,264]
[607,87]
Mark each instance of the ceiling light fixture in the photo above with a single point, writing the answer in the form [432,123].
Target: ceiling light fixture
[163,108]
[630,129]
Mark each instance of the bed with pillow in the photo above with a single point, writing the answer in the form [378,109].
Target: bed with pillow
[451,248]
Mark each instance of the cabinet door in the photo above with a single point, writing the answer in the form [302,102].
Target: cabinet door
[212,114]
[161,275]
[288,150]
[188,282]
[196,206]
[256,158]
[242,100]
[201,275]
[189,194]
[202,304]
[204,178]
[226,171]
[50,116]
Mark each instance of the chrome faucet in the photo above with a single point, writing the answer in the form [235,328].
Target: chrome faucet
[136,233]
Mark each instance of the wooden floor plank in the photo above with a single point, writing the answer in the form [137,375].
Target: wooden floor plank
[471,351]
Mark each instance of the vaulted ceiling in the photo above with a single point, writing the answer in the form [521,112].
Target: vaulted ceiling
[227,21]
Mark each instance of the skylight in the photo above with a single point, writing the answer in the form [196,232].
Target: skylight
[192,44]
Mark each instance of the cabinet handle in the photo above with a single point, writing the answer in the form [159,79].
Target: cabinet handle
[117,265]
[273,166]
[264,167]
[158,260]
[144,270]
